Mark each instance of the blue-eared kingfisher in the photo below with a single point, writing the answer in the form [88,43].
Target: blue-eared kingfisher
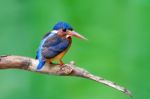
[55,44]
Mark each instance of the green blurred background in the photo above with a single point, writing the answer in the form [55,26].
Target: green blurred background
[118,48]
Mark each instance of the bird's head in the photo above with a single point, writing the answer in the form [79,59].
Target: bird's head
[64,29]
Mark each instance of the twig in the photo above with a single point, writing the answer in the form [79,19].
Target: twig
[30,64]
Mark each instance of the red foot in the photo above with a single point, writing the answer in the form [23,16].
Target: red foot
[61,62]
[50,61]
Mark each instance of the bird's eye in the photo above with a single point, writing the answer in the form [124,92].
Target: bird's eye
[64,30]
[71,29]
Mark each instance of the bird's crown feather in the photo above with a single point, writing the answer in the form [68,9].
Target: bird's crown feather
[62,25]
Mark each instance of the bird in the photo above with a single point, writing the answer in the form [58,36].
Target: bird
[55,44]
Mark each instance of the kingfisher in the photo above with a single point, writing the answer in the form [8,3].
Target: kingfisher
[55,44]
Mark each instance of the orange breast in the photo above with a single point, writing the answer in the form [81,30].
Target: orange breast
[60,56]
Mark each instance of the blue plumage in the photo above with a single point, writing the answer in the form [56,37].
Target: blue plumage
[55,44]
[50,46]
[39,51]
[63,25]
[40,65]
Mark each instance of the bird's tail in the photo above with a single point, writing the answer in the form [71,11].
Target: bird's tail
[41,64]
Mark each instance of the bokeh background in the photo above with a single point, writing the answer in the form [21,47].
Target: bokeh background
[118,48]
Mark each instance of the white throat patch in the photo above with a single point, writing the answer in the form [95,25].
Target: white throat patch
[54,31]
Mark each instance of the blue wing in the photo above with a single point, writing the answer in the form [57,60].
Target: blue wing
[51,46]
[38,53]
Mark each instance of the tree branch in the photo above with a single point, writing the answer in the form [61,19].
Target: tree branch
[30,64]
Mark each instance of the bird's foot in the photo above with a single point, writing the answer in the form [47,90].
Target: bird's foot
[50,61]
[61,63]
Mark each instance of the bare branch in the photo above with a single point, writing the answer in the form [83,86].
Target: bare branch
[30,64]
